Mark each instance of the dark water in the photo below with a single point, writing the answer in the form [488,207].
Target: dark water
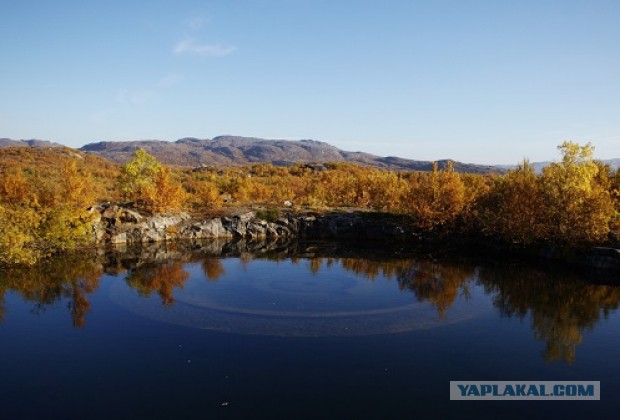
[298,331]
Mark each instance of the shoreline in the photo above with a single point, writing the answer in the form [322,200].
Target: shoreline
[116,225]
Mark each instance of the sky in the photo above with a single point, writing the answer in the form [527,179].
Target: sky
[476,81]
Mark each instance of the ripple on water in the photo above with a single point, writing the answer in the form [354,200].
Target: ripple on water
[278,304]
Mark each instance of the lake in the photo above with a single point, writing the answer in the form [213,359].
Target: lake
[299,330]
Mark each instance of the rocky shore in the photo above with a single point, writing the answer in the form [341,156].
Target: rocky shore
[118,225]
[121,226]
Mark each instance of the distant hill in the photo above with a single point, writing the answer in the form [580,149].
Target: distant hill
[235,151]
[48,160]
[613,163]
[4,142]
[538,166]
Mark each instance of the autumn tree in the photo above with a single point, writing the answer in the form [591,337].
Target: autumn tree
[41,215]
[146,181]
[138,174]
[514,208]
[165,194]
[579,208]
[13,187]
[77,185]
[614,189]
[19,229]
[436,199]
[209,195]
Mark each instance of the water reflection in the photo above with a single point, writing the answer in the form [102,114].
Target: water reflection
[69,279]
[160,278]
[438,283]
[212,268]
[559,306]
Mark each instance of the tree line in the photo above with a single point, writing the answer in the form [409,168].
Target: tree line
[45,196]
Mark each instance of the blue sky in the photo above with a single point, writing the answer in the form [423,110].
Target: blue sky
[477,81]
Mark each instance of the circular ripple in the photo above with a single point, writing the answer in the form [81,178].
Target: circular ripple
[324,305]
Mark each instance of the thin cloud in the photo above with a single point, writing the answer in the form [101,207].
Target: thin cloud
[135,97]
[189,46]
[170,80]
[195,24]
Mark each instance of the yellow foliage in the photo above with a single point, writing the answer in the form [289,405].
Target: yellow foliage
[77,185]
[436,199]
[513,209]
[165,194]
[13,186]
[18,235]
[578,203]
[43,208]
[138,175]
[209,195]
[44,194]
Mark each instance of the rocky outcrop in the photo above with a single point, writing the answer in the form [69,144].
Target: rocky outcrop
[122,226]
[118,225]
[356,225]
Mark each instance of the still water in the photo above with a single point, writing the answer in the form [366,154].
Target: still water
[323,330]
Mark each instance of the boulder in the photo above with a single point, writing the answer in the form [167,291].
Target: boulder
[208,229]
[130,216]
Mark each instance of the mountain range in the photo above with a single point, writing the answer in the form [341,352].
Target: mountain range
[237,150]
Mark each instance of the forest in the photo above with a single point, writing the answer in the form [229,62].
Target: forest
[46,195]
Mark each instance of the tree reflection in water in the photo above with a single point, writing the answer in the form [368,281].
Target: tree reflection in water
[212,268]
[561,307]
[438,283]
[70,277]
[159,278]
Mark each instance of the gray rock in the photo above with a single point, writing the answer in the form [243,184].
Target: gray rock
[120,238]
[130,216]
[118,225]
[256,230]
[246,217]
[209,229]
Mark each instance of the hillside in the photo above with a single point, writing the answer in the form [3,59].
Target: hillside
[4,142]
[235,151]
[48,159]
[45,165]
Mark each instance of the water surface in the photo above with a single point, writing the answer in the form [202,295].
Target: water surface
[307,330]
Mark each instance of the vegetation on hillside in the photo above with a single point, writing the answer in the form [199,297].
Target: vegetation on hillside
[45,195]
[44,201]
